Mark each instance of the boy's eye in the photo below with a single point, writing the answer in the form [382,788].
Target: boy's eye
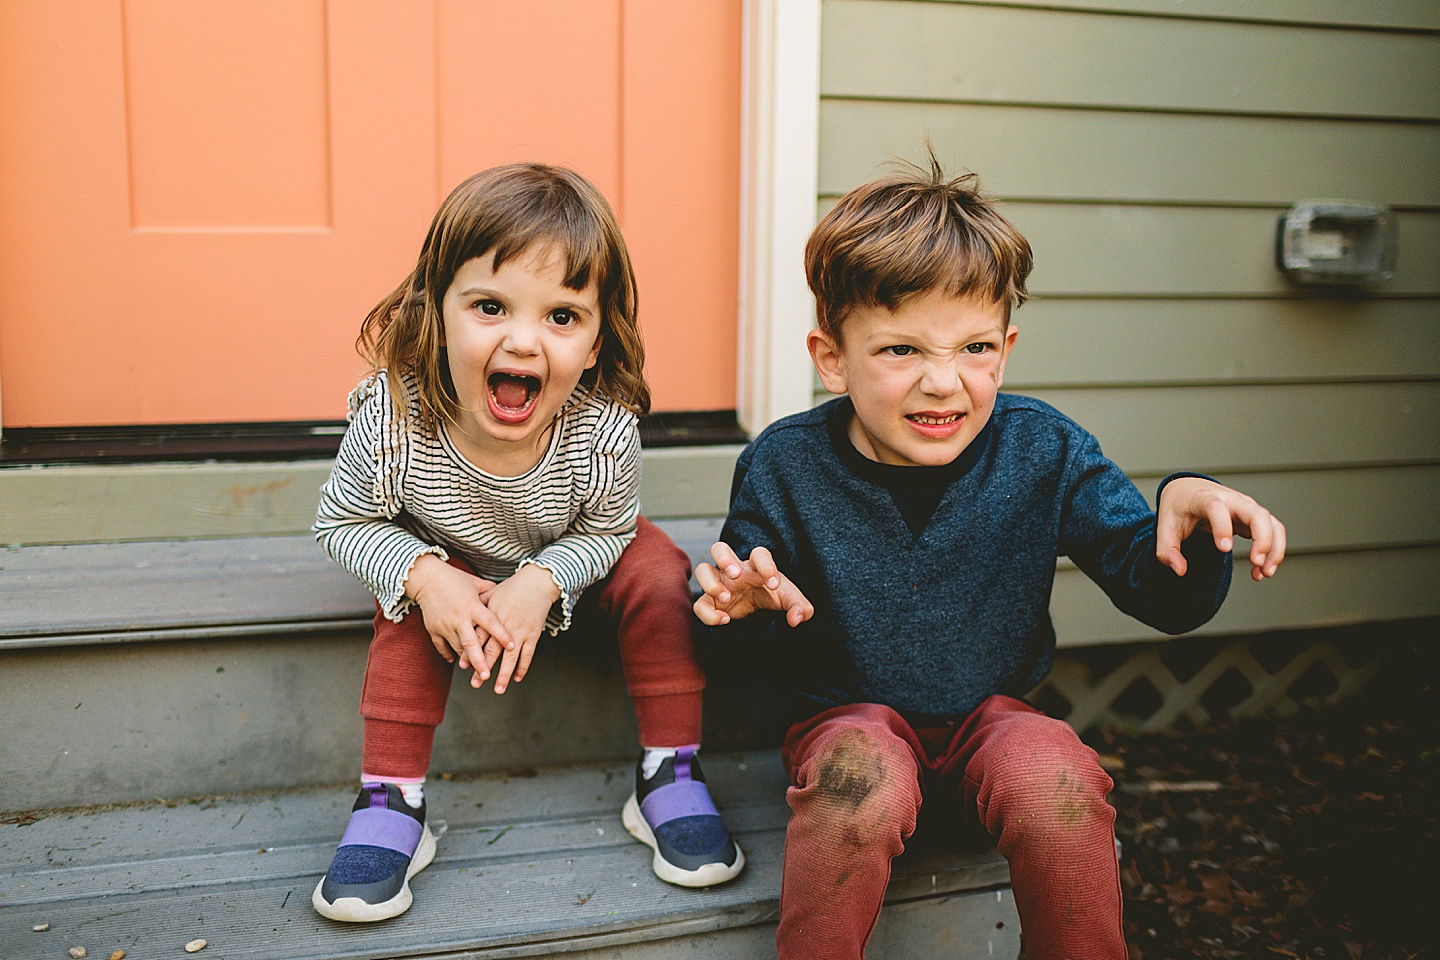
[491,308]
[976,347]
[563,318]
[900,350]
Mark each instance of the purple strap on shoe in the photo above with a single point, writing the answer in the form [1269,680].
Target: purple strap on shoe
[675,800]
[683,798]
[379,826]
[683,756]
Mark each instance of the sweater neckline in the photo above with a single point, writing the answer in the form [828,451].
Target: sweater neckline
[891,476]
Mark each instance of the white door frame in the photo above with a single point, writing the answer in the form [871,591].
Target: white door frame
[779,179]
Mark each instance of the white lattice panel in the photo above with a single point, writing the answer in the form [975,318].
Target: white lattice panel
[1142,691]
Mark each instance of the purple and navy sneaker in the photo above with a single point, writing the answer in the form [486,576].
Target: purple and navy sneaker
[672,813]
[385,844]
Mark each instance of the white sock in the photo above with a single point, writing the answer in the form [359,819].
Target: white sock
[412,790]
[654,756]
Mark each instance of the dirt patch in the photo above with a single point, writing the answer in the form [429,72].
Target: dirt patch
[1316,836]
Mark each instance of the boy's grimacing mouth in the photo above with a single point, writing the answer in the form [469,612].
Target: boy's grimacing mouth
[931,419]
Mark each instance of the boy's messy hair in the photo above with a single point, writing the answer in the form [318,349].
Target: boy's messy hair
[506,212]
[908,233]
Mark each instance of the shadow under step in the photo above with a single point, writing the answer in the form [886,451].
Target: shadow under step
[532,865]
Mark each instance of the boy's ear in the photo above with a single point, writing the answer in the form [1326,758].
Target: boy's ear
[825,353]
[1011,333]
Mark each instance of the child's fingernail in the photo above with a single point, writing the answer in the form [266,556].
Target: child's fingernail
[732,571]
[724,596]
[724,618]
[773,582]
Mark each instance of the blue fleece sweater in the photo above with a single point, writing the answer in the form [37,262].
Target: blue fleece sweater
[932,623]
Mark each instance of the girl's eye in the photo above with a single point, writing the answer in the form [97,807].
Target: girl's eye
[490,308]
[563,318]
[900,350]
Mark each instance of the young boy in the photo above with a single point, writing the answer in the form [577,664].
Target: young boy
[908,533]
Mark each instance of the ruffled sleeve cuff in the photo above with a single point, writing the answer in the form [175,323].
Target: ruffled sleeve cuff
[393,602]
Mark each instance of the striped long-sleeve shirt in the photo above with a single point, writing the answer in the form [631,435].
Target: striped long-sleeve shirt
[399,491]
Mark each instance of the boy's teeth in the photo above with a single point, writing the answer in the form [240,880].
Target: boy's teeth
[921,418]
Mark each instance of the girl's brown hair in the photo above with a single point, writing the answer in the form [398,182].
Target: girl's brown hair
[503,213]
[908,233]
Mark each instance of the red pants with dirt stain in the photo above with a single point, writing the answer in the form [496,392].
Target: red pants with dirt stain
[644,602]
[859,774]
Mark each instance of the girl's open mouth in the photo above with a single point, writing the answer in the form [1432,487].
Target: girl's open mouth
[512,396]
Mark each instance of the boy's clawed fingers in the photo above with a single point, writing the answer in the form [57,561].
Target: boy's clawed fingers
[1267,541]
[734,588]
[1193,502]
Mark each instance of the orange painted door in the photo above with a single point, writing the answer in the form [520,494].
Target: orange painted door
[200,201]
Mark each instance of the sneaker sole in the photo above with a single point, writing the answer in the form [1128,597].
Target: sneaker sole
[707,876]
[355,910]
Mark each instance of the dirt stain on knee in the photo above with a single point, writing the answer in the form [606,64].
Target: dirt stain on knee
[850,773]
[1070,805]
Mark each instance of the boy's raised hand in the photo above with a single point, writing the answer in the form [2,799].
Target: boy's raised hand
[736,588]
[1188,503]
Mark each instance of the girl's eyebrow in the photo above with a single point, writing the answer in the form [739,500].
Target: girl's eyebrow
[574,305]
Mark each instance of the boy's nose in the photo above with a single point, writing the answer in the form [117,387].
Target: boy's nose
[940,380]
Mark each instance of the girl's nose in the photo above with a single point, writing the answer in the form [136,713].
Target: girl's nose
[522,337]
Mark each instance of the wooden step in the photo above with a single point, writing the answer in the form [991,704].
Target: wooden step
[531,864]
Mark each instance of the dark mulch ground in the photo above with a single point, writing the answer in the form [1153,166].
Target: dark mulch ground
[1315,836]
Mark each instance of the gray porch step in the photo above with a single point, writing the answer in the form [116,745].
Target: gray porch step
[197,589]
[185,668]
[529,865]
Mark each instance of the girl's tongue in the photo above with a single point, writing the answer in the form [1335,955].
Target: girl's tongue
[511,393]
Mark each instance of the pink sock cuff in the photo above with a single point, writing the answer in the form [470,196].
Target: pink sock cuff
[371,778]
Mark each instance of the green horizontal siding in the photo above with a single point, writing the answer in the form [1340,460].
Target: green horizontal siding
[1036,153]
[1311,591]
[982,54]
[1114,250]
[1272,427]
[1393,14]
[1085,342]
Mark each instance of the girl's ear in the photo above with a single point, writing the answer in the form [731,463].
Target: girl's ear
[595,350]
[825,353]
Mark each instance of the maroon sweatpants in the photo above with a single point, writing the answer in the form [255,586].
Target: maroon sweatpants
[859,774]
[644,602]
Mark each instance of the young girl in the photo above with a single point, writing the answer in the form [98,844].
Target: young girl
[486,490]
